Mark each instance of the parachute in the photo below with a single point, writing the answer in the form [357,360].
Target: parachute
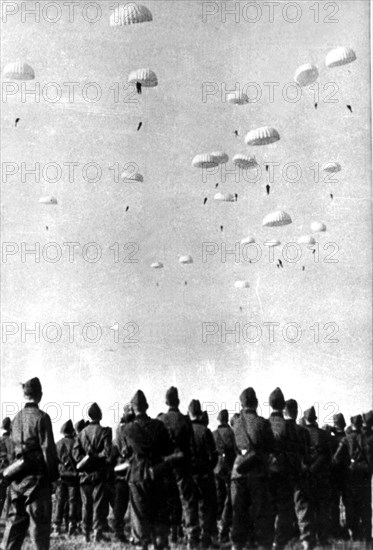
[156,265]
[277,218]
[186,259]
[132,176]
[262,136]
[248,240]
[242,284]
[130,14]
[340,56]
[204,161]
[239,98]
[272,243]
[48,200]
[226,197]
[19,71]
[244,161]
[220,157]
[306,74]
[318,227]
[146,77]
[332,167]
[306,239]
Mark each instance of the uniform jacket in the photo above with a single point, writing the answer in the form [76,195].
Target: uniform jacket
[320,451]
[180,431]
[66,462]
[95,440]
[286,459]
[205,454]
[357,446]
[226,449]
[259,430]
[32,436]
[145,441]
[303,444]
[6,450]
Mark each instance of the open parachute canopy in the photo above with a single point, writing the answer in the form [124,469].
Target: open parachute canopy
[242,284]
[248,240]
[220,157]
[244,161]
[332,167]
[318,227]
[272,243]
[340,56]
[127,175]
[237,98]
[262,136]
[204,161]
[146,77]
[277,218]
[19,70]
[130,14]
[48,200]
[225,197]
[187,259]
[306,74]
[306,239]
[156,265]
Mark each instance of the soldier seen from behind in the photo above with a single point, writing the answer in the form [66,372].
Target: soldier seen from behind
[34,470]
[338,476]
[5,453]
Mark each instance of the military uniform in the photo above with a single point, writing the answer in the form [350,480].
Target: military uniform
[339,476]
[181,433]
[359,508]
[68,492]
[5,454]
[226,448]
[145,441]
[283,469]
[204,461]
[94,441]
[251,503]
[30,494]
[320,489]
[119,493]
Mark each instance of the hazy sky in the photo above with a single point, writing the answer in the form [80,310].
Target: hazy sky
[167,218]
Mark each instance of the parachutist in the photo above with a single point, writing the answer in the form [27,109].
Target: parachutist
[268,188]
[216,185]
[205,200]
[349,108]
[139,126]
[267,167]
[46,227]
[235,196]
[16,122]
[280,263]
[315,105]
[186,282]
[313,251]
[236,133]
[331,196]
[221,228]
[138,87]
[303,268]
[127,208]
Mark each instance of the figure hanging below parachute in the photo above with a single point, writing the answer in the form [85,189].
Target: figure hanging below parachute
[205,200]
[268,189]
[139,126]
[221,228]
[315,105]
[16,122]
[138,87]
[349,108]
[236,133]
[127,208]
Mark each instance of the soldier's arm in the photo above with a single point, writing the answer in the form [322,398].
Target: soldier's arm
[48,447]
[165,444]
[269,442]
[78,450]
[107,442]
[214,456]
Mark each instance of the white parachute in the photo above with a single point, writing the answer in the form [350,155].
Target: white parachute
[306,74]
[272,243]
[156,265]
[237,98]
[248,240]
[340,56]
[220,157]
[306,239]
[204,161]
[244,161]
[332,167]
[276,219]
[262,136]
[146,77]
[19,70]
[225,197]
[242,284]
[127,175]
[48,200]
[130,14]
[187,259]
[318,227]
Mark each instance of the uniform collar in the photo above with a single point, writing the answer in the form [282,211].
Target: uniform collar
[31,405]
[277,413]
[175,409]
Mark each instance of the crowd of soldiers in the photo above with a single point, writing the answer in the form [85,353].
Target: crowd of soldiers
[251,483]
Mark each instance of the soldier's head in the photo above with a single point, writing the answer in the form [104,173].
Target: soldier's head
[67,428]
[32,391]
[6,424]
[277,400]
[205,420]
[95,413]
[339,422]
[234,418]
[172,397]
[368,421]
[139,403]
[128,414]
[80,425]
[223,417]
[248,399]
[356,423]
[291,409]
[310,416]
[194,409]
